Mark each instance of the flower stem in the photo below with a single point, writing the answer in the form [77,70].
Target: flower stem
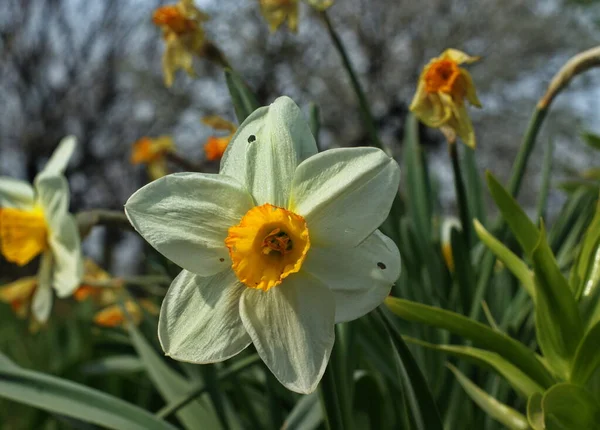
[365,110]
[461,195]
[329,400]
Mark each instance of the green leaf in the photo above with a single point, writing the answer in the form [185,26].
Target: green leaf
[545,182]
[314,120]
[512,262]
[416,179]
[587,357]
[587,268]
[113,365]
[420,402]
[535,414]
[499,411]
[64,397]
[558,323]
[520,382]
[171,385]
[524,230]
[591,139]
[570,407]
[483,336]
[463,270]
[244,101]
[305,415]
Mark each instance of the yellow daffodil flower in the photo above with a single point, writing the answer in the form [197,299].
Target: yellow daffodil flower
[18,295]
[276,12]
[214,147]
[320,5]
[35,221]
[440,98]
[90,288]
[113,316]
[275,249]
[447,225]
[181,24]
[153,153]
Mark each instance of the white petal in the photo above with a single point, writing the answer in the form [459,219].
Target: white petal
[281,140]
[186,217]
[16,194]
[200,318]
[63,237]
[59,160]
[344,194]
[292,328]
[41,304]
[359,277]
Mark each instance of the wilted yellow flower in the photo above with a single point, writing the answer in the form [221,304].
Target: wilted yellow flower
[439,101]
[214,147]
[18,295]
[152,152]
[276,12]
[112,316]
[93,275]
[181,24]
[320,5]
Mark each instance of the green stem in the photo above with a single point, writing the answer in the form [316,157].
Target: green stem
[535,123]
[236,368]
[461,196]
[329,400]
[365,110]
[340,359]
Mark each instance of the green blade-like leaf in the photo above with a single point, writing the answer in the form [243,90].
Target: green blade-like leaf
[524,230]
[587,268]
[495,409]
[172,385]
[114,365]
[244,101]
[516,266]
[473,184]
[535,414]
[558,323]
[418,396]
[483,336]
[520,382]
[568,406]
[64,397]
[307,414]
[545,182]
[591,139]
[587,357]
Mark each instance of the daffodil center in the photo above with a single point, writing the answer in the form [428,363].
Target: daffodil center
[269,244]
[172,18]
[443,76]
[23,234]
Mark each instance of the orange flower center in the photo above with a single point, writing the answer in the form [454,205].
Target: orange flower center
[215,147]
[444,76]
[269,244]
[171,17]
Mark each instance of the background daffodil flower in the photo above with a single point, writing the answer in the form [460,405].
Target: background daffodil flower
[181,24]
[215,146]
[276,12]
[442,90]
[153,153]
[276,248]
[36,220]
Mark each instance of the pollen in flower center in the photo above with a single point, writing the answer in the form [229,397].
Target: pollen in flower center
[23,234]
[442,75]
[268,244]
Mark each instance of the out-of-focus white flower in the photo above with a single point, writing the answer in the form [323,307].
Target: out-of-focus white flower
[276,248]
[36,220]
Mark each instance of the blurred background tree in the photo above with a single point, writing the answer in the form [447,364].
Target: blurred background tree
[93,70]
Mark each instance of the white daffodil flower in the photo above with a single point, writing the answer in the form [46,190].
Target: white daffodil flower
[276,248]
[36,220]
